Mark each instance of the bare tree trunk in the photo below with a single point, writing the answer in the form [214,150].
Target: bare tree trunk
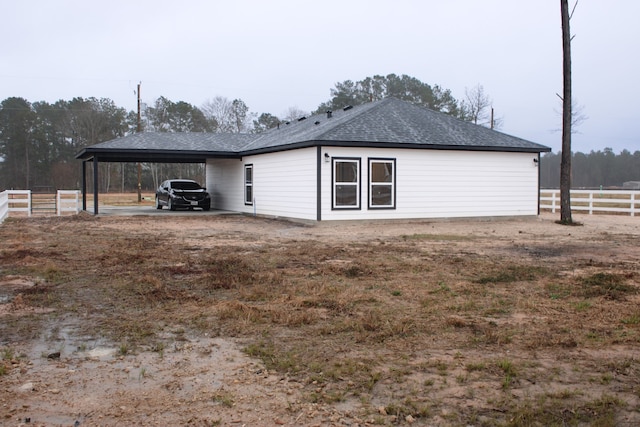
[565,164]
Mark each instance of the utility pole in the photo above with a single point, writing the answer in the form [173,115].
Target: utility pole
[138,130]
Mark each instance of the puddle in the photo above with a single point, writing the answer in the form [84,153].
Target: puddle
[64,338]
[101,352]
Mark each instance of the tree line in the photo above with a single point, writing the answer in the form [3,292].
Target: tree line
[39,140]
[592,170]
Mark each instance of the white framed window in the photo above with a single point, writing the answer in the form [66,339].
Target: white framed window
[346,183]
[248,184]
[382,183]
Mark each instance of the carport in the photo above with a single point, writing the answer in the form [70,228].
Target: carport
[156,147]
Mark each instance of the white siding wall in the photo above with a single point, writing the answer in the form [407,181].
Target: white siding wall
[284,184]
[444,184]
[429,184]
[224,181]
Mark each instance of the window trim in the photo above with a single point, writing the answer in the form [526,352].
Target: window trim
[370,184]
[358,184]
[248,184]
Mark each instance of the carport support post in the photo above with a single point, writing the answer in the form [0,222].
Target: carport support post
[95,185]
[84,185]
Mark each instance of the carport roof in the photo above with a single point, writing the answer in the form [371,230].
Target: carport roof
[388,123]
[184,147]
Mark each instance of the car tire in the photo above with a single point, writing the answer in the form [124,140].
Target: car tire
[158,205]
[170,205]
[206,208]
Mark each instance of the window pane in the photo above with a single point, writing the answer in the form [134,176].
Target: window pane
[248,194]
[346,195]
[346,172]
[381,172]
[248,174]
[381,195]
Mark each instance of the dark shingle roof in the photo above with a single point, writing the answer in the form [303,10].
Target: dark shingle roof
[167,147]
[189,141]
[386,123]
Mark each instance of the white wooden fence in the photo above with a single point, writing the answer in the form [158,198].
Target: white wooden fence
[20,201]
[591,201]
[14,201]
[68,201]
[594,201]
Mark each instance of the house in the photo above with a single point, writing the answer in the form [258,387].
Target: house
[388,159]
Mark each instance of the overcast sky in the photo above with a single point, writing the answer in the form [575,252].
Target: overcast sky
[278,54]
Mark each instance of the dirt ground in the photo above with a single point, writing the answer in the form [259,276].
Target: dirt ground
[234,321]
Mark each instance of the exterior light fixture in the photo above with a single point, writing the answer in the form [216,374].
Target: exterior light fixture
[535,162]
[327,158]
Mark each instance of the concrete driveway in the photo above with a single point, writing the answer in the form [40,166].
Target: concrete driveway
[151,210]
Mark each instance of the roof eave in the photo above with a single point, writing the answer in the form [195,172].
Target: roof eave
[369,144]
[152,155]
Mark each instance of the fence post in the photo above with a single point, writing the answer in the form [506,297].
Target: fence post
[58,199]
[4,205]
[553,201]
[591,202]
[633,203]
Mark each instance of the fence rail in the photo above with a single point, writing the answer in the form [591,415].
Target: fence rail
[20,201]
[594,201]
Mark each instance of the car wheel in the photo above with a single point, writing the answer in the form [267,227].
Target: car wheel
[158,205]
[170,205]
[206,208]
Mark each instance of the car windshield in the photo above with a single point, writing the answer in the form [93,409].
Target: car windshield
[185,185]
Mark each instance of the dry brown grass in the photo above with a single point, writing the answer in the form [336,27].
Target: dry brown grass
[442,328]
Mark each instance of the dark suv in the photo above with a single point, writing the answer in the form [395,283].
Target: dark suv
[182,193]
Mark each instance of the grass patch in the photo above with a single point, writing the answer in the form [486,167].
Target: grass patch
[583,305]
[273,358]
[226,272]
[634,319]
[8,353]
[437,237]
[475,366]
[510,274]
[224,399]
[607,285]
[509,371]
[557,291]
[551,410]
[408,407]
